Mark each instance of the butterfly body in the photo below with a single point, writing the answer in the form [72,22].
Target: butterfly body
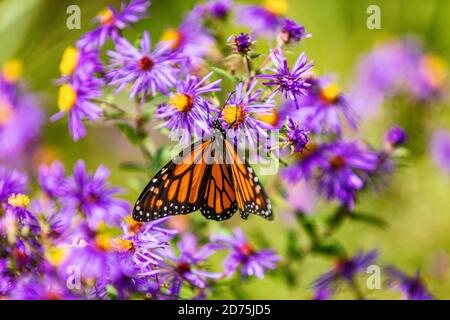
[208,176]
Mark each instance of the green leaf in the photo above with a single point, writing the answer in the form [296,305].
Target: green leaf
[292,245]
[129,131]
[331,248]
[224,73]
[369,219]
[309,225]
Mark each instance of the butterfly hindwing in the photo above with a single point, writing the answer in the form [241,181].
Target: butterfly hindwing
[250,195]
[219,199]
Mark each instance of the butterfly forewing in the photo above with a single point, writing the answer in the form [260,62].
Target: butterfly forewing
[177,187]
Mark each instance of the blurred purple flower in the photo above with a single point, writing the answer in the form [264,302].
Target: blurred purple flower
[262,20]
[413,288]
[397,67]
[147,71]
[52,178]
[11,182]
[440,149]
[47,287]
[94,196]
[187,112]
[184,268]
[251,262]
[21,121]
[218,9]
[292,32]
[396,137]
[291,83]
[111,21]
[345,170]
[344,270]
[191,39]
[239,114]
[308,160]
[322,106]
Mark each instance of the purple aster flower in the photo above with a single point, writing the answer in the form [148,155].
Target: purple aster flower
[75,98]
[52,178]
[239,114]
[11,182]
[17,216]
[184,268]
[307,162]
[187,112]
[47,287]
[94,196]
[396,137]
[57,223]
[394,68]
[323,293]
[322,107]
[147,71]
[292,32]
[241,44]
[218,9]
[296,136]
[79,63]
[6,279]
[440,149]
[90,255]
[345,170]
[141,243]
[251,262]
[413,288]
[111,21]
[262,20]
[291,83]
[191,39]
[21,120]
[345,270]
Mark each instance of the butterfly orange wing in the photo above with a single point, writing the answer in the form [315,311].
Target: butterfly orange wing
[177,187]
[219,198]
[250,195]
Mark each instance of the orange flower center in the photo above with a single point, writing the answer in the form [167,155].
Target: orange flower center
[233,115]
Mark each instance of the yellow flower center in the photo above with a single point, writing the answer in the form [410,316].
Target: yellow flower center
[69,61]
[56,255]
[330,93]
[277,7]
[173,36]
[271,119]
[106,17]
[233,115]
[123,245]
[103,241]
[182,102]
[12,70]
[19,200]
[67,97]
[435,70]
[6,113]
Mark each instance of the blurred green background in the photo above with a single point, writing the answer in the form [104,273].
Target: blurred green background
[416,204]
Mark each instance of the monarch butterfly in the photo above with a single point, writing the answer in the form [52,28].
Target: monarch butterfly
[208,176]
